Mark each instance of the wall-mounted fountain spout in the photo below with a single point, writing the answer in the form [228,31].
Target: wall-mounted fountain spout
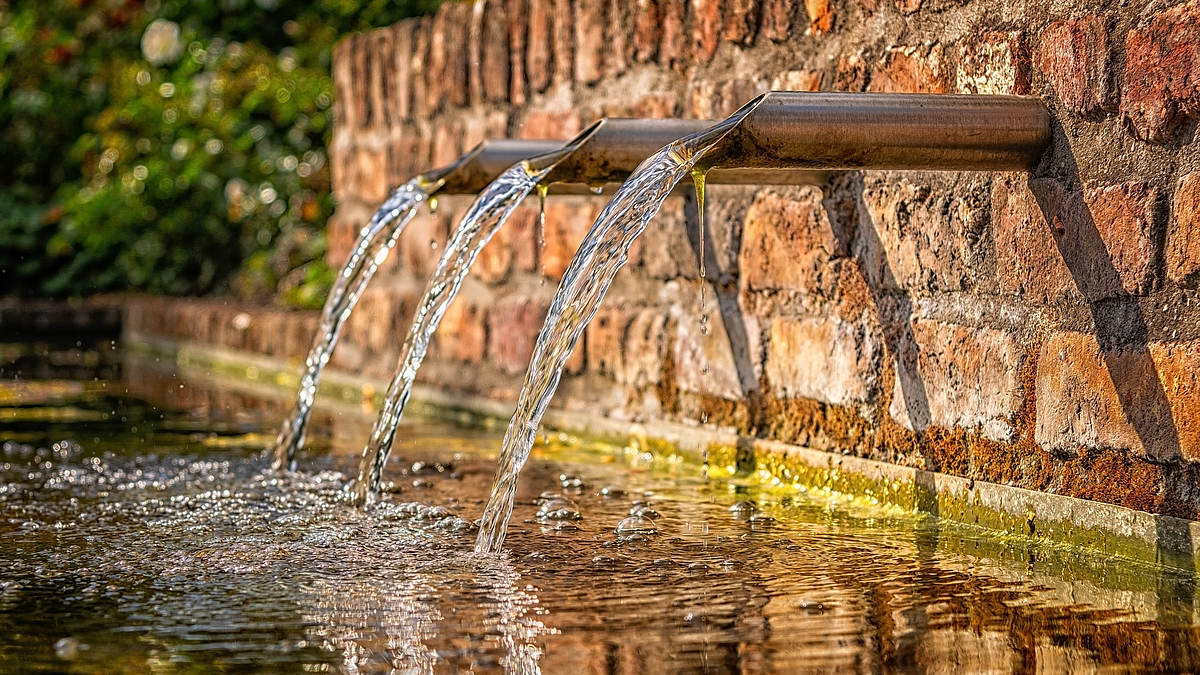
[795,138]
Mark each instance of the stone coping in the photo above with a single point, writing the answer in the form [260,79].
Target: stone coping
[1026,518]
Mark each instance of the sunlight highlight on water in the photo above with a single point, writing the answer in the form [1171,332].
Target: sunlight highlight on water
[584,284]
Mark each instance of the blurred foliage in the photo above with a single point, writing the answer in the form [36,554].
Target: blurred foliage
[174,147]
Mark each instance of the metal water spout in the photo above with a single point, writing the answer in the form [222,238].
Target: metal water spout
[796,138]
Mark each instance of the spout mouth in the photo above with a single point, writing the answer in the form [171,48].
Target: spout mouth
[548,160]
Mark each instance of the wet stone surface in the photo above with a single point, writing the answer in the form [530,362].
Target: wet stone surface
[151,536]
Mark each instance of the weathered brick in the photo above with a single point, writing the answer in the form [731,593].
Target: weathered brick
[916,70]
[383,60]
[904,6]
[704,359]
[551,124]
[513,326]
[516,18]
[994,63]
[360,83]
[522,227]
[343,229]
[916,238]
[447,75]
[482,125]
[824,359]
[706,27]
[797,80]
[664,250]
[422,242]
[568,220]
[1162,72]
[494,59]
[1139,400]
[619,53]
[675,47]
[776,19]
[852,74]
[820,16]
[462,333]
[741,21]
[605,340]
[647,30]
[422,36]
[408,154]
[591,17]
[447,143]
[399,100]
[1053,243]
[966,377]
[368,175]
[641,363]
[343,87]
[1183,237]
[475,53]
[787,242]
[495,260]
[564,41]
[1076,59]
[539,59]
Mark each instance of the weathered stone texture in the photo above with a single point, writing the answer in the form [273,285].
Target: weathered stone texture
[994,63]
[1075,56]
[1162,72]
[1183,237]
[567,221]
[824,359]
[787,244]
[513,325]
[913,70]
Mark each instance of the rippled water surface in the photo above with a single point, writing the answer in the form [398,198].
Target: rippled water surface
[143,532]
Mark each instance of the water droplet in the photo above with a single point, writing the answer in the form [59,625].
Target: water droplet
[644,511]
[597,189]
[68,648]
[559,509]
[433,244]
[433,206]
[636,525]
[571,482]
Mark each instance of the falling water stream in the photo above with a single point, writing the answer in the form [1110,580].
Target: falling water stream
[603,251]
[375,241]
[485,217]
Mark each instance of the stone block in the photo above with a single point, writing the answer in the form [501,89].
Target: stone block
[462,334]
[563,125]
[797,80]
[447,143]
[966,377]
[447,74]
[706,28]
[422,35]
[360,82]
[524,238]
[367,176]
[1162,72]
[1141,400]
[513,326]
[422,242]
[820,16]
[664,249]
[776,19]
[516,18]
[539,57]
[704,359]
[408,154]
[564,41]
[1076,58]
[618,54]
[591,18]
[914,70]
[647,30]
[343,87]
[605,340]
[641,362]
[495,261]
[675,47]
[399,84]
[994,63]
[383,64]
[568,220]
[481,125]
[1183,235]
[787,243]
[824,359]
[917,238]
[741,19]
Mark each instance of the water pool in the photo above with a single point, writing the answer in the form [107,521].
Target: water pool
[141,531]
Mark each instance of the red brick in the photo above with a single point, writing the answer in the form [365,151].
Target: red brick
[462,333]
[475,53]
[368,175]
[915,70]
[787,243]
[605,340]
[399,85]
[664,249]
[704,360]
[776,19]
[343,87]
[383,61]
[820,15]
[994,63]
[797,80]
[904,6]
[343,229]
[851,74]
[407,155]
[1183,236]
[1162,72]
[568,220]
[360,83]
[674,48]
[1028,260]
[539,57]
[591,17]
[422,242]
[516,18]
[920,237]
[513,326]
[641,362]
[522,227]
[647,30]
[496,259]
[481,125]
[1076,59]
[706,26]
[969,378]
[494,57]
[447,143]
[564,41]
[824,359]
[741,21]
[1140,400]
[421,38]
[730,96]
[619,52]
[1127,219]
[447,74]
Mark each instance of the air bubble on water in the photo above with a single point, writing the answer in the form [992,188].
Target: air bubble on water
[636,525]
[68,648]
[547,496]
[761,519]
[559,509]
[643,511]
[612,491]
[571,482]
[743,508]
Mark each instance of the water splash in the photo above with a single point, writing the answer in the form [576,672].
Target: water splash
[584,284]
[374,243]
[485,217]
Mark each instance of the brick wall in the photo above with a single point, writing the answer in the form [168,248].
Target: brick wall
[1040,331]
